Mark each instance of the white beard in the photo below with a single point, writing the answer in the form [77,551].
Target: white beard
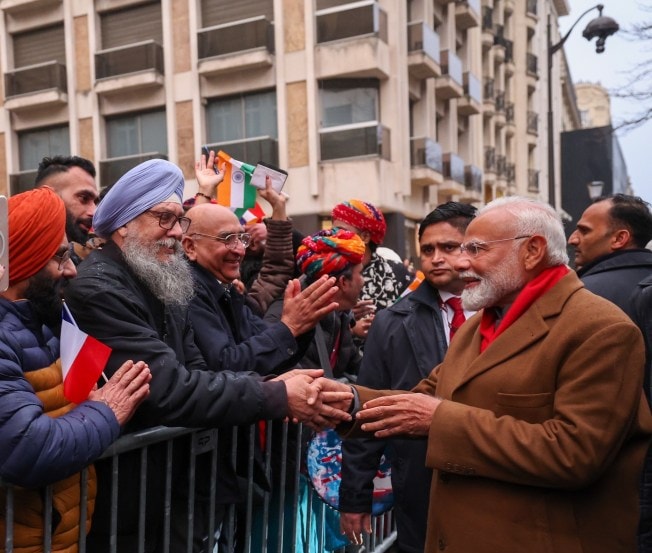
[494,286]
[170,281]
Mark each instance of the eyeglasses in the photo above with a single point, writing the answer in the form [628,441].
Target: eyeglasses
[63,258]
[474,248]
[230,240]
[167,220]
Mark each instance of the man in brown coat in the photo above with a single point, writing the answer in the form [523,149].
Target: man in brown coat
[535,420]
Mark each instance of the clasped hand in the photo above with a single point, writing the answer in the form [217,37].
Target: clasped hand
[317,402]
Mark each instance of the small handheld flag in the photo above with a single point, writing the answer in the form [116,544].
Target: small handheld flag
[236,190]
[418,279]
[83,359]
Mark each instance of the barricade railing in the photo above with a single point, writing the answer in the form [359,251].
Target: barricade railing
[278,511]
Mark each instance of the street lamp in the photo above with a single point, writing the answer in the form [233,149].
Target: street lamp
[601,28]
[595,189]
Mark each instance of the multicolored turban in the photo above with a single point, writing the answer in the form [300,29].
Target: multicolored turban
[138,190]
[329,252]
[37,223]
[363,216]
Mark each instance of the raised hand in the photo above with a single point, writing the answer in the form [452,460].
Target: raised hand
[303,309]
[208,176]
[125,390]
[275,199]
[408,414]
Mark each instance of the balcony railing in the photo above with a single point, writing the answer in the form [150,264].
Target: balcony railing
[531,64]
[509,112]
[490,159]
[509,50]
[499,35]
[501,166]
[511,172]
[489,91]
[532,122]
[133,58]
[342,22]
[425,152]
[500,100]
[239,36]
[113,168]
[473,179]
[531,7]
[451,65]
[355,141]
[487,18]
[533,181]
[21,182]
[472,86]
[421,37]
[36,78]
[454,168]
[250,150]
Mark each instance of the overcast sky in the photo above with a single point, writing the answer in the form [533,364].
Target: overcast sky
[611,69]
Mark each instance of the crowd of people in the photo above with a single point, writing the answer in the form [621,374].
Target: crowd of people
[510,392]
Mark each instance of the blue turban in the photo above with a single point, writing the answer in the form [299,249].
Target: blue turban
[139,189]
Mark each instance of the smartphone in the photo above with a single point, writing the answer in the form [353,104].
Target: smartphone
[4,243]
[263,170]
[205,152]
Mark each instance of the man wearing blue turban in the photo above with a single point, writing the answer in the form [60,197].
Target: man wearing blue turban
[132,295]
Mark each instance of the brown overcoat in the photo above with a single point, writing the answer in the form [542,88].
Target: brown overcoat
[539,442]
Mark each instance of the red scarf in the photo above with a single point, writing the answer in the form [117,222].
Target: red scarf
[531,292]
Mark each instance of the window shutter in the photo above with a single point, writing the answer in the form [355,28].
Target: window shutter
[132,25]
[39,46]
[217,12]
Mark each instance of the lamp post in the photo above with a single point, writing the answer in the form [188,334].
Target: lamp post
[595,189]
[601,28]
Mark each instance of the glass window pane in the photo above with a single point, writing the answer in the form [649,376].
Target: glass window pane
[260,115]
[35,145]
[122,136]
[224,120]
[154,132]
[345,106]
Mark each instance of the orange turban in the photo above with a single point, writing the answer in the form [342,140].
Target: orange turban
[37,222]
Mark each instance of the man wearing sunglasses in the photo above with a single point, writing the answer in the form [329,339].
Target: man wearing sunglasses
[133,295]
[536,422]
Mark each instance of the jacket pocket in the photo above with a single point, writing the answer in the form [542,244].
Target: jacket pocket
[525,400]
[532,408]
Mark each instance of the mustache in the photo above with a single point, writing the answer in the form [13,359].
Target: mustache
[468,274]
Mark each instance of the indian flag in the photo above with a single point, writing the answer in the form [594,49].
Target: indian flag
[235,190]
[250,216]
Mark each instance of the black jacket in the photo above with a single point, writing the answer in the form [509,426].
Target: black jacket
[406,341]
[615,276]
[245,342]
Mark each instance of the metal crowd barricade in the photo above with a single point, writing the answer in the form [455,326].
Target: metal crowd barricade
[289,518]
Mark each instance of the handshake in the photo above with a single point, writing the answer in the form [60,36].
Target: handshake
[316,401]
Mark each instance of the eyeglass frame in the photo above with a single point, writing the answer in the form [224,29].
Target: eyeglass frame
[184,222]
[225,239]
[63,258]
[481,246]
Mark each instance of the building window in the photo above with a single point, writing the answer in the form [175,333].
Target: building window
[34,145]
[137,134]
[350,119]
[245,126]
[37,46]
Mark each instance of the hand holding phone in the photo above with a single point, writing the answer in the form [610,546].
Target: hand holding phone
[263,170]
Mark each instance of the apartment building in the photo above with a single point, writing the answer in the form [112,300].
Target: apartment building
[404,103]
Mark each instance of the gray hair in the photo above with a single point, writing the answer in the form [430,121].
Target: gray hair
[535,217]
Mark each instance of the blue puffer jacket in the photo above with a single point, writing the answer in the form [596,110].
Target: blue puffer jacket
[36,449]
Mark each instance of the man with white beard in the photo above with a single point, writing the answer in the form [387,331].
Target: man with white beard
[536,422]
[133,295]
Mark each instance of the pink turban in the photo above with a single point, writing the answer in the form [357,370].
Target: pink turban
[363,216]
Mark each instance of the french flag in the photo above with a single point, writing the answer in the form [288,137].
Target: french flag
[83,359]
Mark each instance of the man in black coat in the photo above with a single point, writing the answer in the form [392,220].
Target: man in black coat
[611,260]
[609,242]
[405,342]
[133,295]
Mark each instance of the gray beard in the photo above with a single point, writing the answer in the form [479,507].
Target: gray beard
[170,281]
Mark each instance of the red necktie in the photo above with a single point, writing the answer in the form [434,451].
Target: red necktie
[458,315]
